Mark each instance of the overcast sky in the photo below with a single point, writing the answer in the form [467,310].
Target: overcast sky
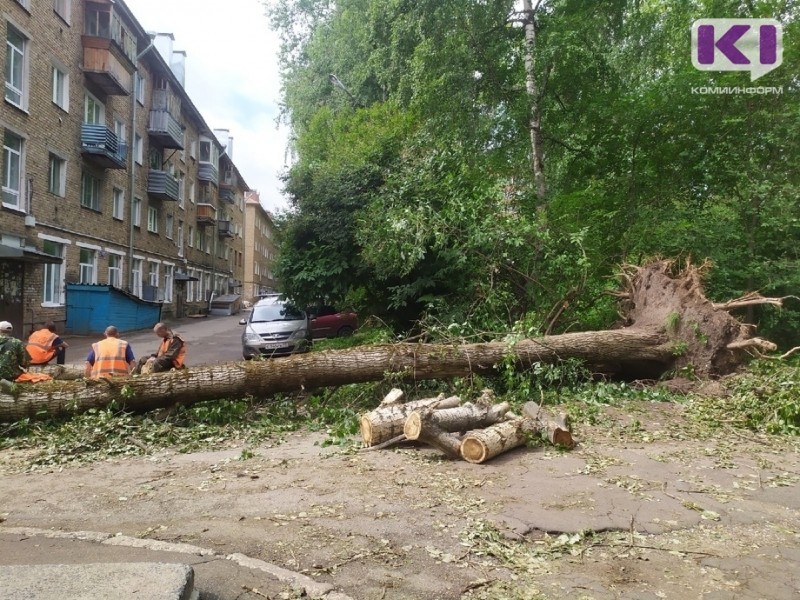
[232,78]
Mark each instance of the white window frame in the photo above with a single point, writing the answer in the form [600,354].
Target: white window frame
[63,8]
[115,272]
[55,272]
[139,83]
[60,96]
[181,189]
[137,211]
[168,226]
[97,184]
[153,273]
[13,166]
[169,282]
[56,182]
[17,91]
[87,268]
[152,219]
[94,111]
[118,203]
[191,236]
[138,151]
[136,271]
[179,241]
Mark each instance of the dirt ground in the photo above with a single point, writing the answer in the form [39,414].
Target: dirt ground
[641,509]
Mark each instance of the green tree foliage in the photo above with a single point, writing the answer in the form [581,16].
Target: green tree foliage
[412,192]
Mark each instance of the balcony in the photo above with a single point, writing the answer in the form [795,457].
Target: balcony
[206,214]
[106,66]
[100,145]
[162,185]
[226,194]
[206,171]
[165,130]
[225,229]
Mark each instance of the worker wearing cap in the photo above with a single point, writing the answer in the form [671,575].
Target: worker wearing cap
[13,356]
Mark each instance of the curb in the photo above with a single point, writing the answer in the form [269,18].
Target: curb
[303,583]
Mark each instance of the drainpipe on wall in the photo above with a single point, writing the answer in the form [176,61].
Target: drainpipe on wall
[132,150]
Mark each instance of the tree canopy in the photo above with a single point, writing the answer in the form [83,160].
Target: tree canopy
[413,194]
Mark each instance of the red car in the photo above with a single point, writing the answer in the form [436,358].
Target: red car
[327,322]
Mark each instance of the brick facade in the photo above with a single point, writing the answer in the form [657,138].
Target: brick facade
[78,72]
[260,249]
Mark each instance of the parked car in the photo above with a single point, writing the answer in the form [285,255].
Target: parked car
[275,328]
[327,322]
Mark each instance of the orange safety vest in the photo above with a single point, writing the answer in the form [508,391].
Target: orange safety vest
[109,358]
[40,346]
[177,362]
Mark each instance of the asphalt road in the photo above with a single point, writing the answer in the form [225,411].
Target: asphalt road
[210,340]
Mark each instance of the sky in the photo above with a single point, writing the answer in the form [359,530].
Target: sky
[232,77]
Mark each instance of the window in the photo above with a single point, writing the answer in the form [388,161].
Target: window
[156,159]
[62,9]
[12,171]
[193,149]
[137,148]
[94,111]
[181,189]
[152,274]
[120,131]
[60,88]
[57,175]
[90,191]
[88,265]
[183,150]
[191,236]
[16,49]
[136,270]
[115,270]
[139,84]
[205,151]
[118,204]
[53,274]
[137,212]
[168,227]
[168,282]
[180,238]
[152,219]
[199,238]
[191,192]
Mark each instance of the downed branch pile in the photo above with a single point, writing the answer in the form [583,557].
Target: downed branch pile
[475,432]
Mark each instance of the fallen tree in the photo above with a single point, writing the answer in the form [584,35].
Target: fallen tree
[669,324]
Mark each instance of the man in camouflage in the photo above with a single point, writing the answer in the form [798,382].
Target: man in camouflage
[13,356]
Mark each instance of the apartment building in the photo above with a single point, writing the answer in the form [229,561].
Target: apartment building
[260,249]
[110,172]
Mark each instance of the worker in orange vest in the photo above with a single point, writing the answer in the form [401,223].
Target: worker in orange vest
[44,345]
[170,355]
[110,357]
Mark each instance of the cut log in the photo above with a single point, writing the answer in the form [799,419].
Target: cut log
[386,422]
[646,349]
[483,444]
[555,429]
[395,396]
[431,434]
[462,418]
[60,372]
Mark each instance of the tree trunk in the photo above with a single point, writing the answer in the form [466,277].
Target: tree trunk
[461,418]
[386,421]
[671,325]
[534,98]
[483,444]
[555,428]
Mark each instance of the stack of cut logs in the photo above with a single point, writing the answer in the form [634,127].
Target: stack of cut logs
[475,432]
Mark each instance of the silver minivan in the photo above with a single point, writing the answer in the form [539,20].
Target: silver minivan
[275,327]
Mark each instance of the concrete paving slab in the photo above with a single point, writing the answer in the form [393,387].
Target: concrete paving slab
[98,581]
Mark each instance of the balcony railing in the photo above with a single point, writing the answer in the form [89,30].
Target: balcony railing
[227,195]
[206,171]
[101,145]
[225,229]
[165,130]
[162,185]
[206,214]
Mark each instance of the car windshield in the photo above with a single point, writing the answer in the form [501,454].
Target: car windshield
[276,312]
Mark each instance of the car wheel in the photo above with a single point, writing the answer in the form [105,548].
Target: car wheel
[345,331]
